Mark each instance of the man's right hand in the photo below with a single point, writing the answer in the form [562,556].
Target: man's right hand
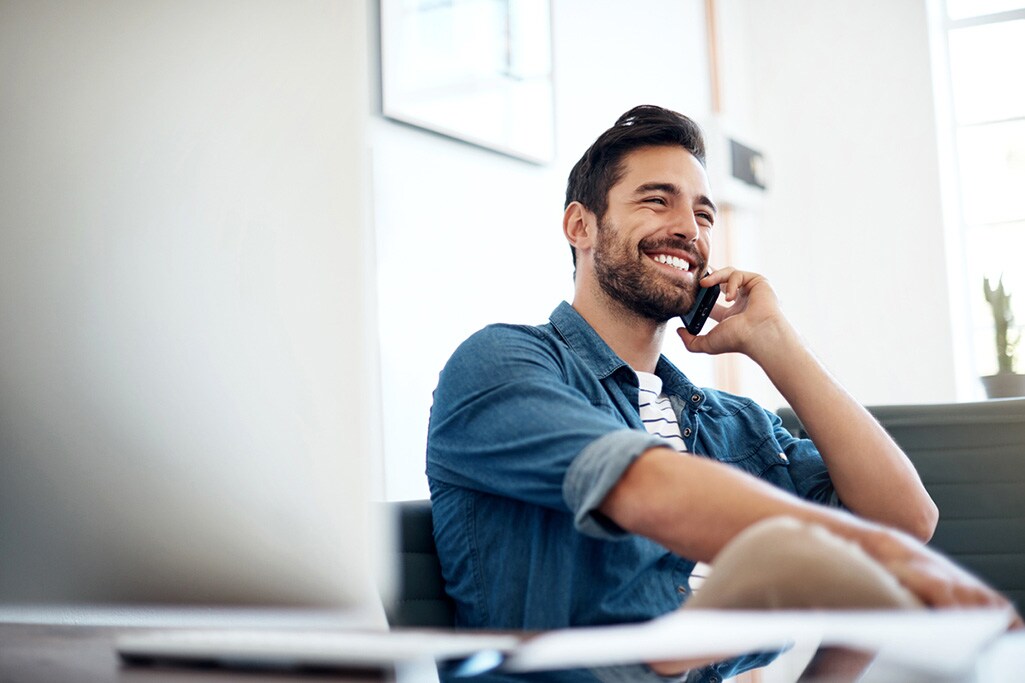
[694,507]
[932,577]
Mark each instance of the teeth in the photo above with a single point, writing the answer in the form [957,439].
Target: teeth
[673,261]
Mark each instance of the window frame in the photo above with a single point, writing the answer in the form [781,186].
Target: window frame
[961,291]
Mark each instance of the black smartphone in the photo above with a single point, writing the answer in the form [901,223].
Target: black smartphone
[695,318]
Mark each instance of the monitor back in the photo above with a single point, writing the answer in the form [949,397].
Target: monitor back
[188,402]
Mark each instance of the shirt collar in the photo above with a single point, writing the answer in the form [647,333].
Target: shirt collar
[585,342]
[674,381]
[592,349]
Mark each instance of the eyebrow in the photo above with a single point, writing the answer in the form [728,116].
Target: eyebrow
[670,188]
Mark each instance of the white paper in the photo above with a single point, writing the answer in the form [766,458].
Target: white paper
[328,648]
[932,640]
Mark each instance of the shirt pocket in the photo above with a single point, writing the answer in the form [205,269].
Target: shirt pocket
[765,461]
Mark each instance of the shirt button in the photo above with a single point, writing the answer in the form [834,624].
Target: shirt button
[712,678]
[681,589]
[695,398]
[687,431]
[783,457]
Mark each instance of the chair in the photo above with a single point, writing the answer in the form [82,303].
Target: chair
[421,600]
[971,458]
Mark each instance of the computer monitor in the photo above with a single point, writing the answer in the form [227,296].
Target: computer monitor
[188,401]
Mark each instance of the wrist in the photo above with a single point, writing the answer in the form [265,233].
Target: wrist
[774,345]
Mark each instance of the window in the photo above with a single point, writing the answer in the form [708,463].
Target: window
[985,53]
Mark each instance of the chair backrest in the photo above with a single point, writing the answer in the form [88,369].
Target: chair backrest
[971,458]
[421,599]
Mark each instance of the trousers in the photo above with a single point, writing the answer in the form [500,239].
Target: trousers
[783,563]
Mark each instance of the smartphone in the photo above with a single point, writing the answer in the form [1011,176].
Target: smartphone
[695,318]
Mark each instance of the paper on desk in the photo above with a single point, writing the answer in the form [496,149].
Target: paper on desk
[932,640]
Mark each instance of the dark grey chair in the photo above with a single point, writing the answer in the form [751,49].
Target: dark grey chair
[421,600]
[971,457]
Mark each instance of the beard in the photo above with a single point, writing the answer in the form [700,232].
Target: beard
[625,277]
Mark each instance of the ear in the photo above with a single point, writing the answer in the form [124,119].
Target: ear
[580,226]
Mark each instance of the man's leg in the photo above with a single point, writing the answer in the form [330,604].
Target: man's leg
[782,563]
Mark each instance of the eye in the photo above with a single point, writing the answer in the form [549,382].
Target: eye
[656,200]
[706,217]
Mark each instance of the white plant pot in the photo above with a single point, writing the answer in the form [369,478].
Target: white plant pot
[1004,385]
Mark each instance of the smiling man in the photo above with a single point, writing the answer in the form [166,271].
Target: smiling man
[577,476]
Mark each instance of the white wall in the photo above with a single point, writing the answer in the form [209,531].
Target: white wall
[851,233]
[467,237]
[838,95]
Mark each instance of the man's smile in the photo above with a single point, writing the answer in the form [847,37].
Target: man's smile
[670,260]
[677,264]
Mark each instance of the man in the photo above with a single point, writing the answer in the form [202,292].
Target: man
[577,476]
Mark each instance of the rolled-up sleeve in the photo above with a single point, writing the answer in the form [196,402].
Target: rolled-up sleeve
[506,422]
[594,473]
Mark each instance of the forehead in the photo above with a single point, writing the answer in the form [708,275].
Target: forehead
[662,164]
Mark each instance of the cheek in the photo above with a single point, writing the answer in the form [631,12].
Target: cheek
[705,242]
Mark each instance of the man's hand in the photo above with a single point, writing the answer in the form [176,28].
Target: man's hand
[753,322]
[783,563]
[871,474]
[934,579]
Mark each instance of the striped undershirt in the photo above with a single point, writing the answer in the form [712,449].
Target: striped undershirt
[660,419]
[657,413]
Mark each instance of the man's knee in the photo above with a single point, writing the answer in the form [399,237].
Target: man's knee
[784,563]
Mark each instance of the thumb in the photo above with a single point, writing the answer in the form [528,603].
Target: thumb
[694,343]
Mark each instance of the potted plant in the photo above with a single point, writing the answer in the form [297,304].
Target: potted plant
[1006,383]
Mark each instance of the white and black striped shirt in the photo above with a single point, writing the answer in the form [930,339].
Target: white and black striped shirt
[657,412]
[660,419]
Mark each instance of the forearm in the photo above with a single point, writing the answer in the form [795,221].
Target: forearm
[871,474]
[694,506]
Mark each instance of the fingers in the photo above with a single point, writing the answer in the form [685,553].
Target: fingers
[940,583]
[749,316]
[935,579]
[733,281]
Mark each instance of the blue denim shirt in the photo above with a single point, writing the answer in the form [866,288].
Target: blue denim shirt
[530,429]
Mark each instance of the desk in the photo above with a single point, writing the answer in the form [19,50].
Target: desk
[53,653]
[46,653]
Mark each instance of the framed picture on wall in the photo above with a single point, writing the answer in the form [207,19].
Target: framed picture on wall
[475,70]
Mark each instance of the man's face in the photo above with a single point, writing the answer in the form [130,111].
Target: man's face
[653,241]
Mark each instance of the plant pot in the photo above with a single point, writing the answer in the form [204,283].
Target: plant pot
[1004,385]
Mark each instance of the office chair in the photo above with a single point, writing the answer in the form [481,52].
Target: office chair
[971,458]
[421,600]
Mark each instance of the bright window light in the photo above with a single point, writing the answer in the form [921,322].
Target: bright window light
[983,60]
[963,9]
[992,165]
[985,42]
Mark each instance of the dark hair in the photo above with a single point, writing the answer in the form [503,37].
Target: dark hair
[601,167]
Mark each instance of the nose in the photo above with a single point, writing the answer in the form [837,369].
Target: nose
[686,227]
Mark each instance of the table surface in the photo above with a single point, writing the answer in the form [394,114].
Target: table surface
[49,652]
[46,653]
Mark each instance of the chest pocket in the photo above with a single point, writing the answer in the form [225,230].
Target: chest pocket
[743,436]
[766,457]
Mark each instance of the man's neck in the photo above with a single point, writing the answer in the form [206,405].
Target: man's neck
[635,339]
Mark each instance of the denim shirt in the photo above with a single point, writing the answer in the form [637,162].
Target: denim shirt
[530,429]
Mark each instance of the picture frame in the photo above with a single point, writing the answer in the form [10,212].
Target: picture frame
[474,70]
